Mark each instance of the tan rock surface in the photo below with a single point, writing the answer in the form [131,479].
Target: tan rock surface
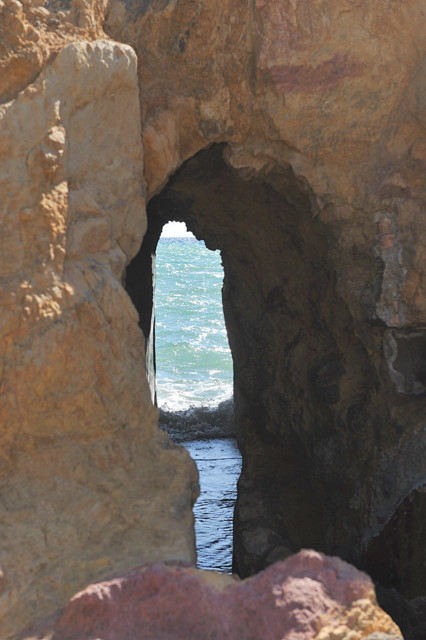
[321,103]
[335,89]
[77,443]
[32,31]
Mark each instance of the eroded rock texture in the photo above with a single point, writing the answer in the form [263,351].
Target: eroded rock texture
[311,407]
[78,446]
[288,134]
[309,597]
[316,208]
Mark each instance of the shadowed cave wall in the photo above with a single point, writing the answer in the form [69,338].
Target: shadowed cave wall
[311,401]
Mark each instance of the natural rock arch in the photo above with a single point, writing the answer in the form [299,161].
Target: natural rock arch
[310,411]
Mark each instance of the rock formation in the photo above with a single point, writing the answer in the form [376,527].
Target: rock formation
[290,135]
[308,596]
[79,445]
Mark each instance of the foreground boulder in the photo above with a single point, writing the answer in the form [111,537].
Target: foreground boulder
[309,596]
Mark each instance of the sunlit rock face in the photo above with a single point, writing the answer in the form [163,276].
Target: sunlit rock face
[79,446]
[309,596]
[310,122]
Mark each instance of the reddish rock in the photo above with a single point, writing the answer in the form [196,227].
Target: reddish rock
[308,78]
[308,596]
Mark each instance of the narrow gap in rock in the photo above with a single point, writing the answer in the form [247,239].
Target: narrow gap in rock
[190,370]
[194,382]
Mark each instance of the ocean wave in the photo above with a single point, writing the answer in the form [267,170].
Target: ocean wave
[199,423]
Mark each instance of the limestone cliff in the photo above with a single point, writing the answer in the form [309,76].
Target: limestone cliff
[290,134]
[78,446]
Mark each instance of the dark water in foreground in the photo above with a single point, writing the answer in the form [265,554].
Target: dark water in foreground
[219,464]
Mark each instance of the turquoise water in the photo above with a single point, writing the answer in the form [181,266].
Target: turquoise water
[194,385]
[194,364]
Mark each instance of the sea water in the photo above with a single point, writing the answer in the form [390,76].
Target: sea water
[194,364]
[194,385]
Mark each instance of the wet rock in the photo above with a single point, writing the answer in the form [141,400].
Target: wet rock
[199,423]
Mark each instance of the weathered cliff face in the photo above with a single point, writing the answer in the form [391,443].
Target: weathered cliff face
[316,209]
[312,411]
[310,119]
[337,92]
[79,449]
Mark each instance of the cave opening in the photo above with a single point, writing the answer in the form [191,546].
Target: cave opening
[191,372]
[194,378]
[308,407]
[273,291]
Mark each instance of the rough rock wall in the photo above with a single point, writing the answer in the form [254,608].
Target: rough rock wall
[33,31]
[335,91]
[322,109]
[323,102]
[310,406]
[86,482]
[308,597]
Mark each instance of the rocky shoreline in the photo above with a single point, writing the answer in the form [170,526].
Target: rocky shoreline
[199,423]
